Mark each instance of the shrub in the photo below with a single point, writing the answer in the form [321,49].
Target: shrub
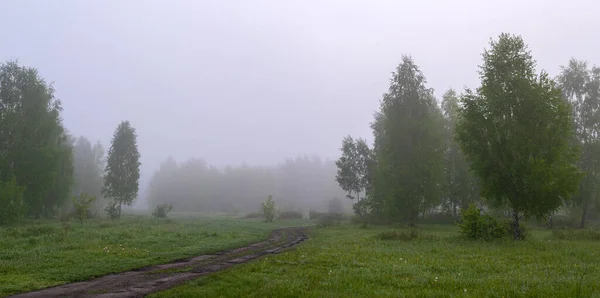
[268,209]
[290,215]
[476,226]
[83,204]
[312,214]
[161,211]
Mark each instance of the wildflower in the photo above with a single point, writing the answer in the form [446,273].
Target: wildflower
[465,290]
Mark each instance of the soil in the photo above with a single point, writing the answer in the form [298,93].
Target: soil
[143,281]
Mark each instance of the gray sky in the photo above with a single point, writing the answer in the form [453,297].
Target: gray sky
[259,81]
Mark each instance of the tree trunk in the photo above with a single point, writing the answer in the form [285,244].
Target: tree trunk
[583,215]
[550,222]
[516,227]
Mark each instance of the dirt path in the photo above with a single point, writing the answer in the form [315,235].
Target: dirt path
[143,281]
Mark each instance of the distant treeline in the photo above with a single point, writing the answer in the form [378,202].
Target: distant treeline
[297,184]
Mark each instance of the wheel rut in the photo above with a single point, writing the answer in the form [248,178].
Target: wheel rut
[143,281]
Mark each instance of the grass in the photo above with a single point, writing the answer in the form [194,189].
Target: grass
[40,254]
[346,261]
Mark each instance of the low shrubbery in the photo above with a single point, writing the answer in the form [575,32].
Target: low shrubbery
[476,226]
[162,210]
[268,209]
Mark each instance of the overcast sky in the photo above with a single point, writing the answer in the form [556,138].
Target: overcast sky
[259,81]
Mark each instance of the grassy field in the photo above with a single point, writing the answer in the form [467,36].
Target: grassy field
[40,254]
[350,262]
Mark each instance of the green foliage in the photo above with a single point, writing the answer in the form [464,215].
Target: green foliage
[516,133]
[289,214]
[83,204]
[161,211]
[268,209]
[11,201]
[121,182]
[408,147]
[355,171]
[581,88]
[35,148]
[88,168]
[475,226]
[113,210]
[460,187]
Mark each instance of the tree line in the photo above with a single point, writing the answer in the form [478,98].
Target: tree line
[296,184]
[44,169]
[522,142]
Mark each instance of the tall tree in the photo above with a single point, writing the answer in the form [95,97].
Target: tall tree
[408,146]
[516,133]
[34,146]
[121,181]
[460,187]
[581,88]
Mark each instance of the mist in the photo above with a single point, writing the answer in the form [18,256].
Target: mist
[262,82]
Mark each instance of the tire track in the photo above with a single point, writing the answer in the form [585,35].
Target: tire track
[143,281]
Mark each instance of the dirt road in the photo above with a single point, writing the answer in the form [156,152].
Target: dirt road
[143,281]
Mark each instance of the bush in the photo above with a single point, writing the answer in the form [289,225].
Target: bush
[476,226]
[580,234]
[290,215]
[268,209]
[83,204]
[161,210]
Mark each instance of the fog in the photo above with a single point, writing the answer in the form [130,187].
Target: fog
[259,82]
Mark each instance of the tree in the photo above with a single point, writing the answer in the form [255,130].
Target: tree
[11,201]
[408,146]
[268,209]
[353,174]
[460,187]
[581,88]
[516,133]
[121,181]
[83,203]
[34,146]
[88,169]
